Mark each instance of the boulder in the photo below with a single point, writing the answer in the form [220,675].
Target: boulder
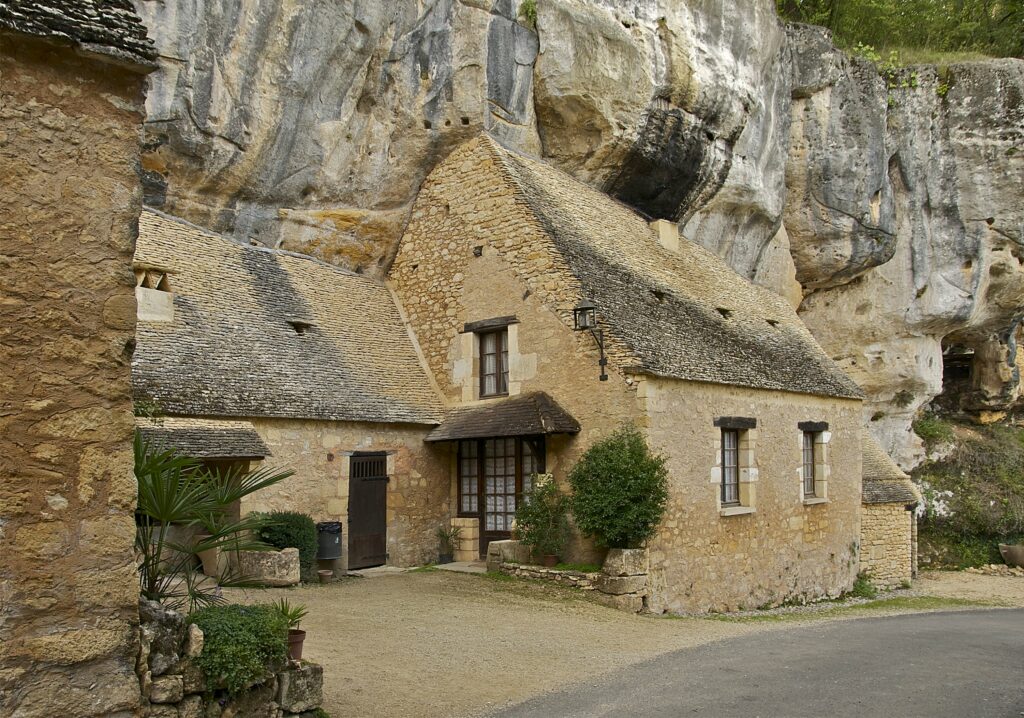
[300,688]
[511,551]
[166,689]
[163,629]
[270,568]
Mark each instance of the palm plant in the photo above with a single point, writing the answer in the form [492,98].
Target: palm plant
[177,491]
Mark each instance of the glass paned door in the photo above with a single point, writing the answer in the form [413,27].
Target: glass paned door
[499,484]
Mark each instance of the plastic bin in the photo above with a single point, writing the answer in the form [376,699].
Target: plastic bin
[328,540]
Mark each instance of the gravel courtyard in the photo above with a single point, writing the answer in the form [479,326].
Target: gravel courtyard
[436,643]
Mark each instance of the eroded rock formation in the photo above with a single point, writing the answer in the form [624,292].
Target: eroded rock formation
[891,209]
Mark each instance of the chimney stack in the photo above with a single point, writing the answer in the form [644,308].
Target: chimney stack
[667,234]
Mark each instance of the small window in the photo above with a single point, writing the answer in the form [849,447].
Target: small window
[730,467]
[494,363]
[468,478]
[810,461]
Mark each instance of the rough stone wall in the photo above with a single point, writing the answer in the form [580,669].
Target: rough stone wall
[786,549]
[319,451]
[887,538]
[69,143]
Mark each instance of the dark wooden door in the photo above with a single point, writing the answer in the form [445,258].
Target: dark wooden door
[506,470]
[367,510]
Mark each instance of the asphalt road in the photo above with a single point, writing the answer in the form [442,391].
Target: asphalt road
[968,664]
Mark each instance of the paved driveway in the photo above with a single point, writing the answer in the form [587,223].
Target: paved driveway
[967,664]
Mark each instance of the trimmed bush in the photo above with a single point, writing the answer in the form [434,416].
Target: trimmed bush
[242,645]
[542,519]
[289,529]
[619,490]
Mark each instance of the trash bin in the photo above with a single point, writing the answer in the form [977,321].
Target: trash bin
[328,540]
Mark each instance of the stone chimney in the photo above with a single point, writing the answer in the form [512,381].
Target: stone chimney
[667,234]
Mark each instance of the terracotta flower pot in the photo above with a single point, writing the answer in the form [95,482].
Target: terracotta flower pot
[295,639]
[210,559]
[550,560]
[325,576]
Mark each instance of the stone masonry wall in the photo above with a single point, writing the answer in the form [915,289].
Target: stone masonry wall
[704,559]
[319,451]
[886,544]
[70,198]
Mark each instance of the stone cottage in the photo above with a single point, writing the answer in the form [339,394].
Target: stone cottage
[761,430]
[888,528]
[251,354]
[72,74]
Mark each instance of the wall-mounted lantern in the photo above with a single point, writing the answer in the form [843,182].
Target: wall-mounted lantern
[584,317]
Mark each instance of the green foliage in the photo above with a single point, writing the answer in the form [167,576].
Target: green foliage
[987,27]
[863,588]
[176,491]
[619,490]
[903,398]
[448,538]
[973,499]
[528,10]
[292,614]
[933,430]
[542,519]
[290,529]
[242,645]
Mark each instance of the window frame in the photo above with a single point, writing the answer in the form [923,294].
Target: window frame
[538,448]
[501,374]
[809,478]
[725,483]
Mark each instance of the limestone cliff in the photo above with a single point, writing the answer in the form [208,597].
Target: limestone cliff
[890,209]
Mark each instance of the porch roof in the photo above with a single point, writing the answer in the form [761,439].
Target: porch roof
[526,415]
[204,438]
[883,481]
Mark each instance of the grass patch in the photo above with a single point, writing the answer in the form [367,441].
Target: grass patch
[863,588]
[895,603]
[933,430]
[925,56]
[581,567]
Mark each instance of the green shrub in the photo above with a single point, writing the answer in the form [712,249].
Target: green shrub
[542,518]
[933,430]
[863,588]
[288,529]
[242,644]
[619,490]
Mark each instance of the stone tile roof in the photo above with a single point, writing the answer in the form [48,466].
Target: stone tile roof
[883,481]
[685,314]
[105,27]
[259,332]
[526,415]
[204,438]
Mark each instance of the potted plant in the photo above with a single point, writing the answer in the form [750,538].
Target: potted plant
[447,539]
[542,520]
[296,637]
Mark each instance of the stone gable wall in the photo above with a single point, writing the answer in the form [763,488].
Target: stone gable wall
[887,544]
[786,549]
[70,198]
[319,451]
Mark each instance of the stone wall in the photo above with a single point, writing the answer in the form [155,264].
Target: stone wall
[173,686]
[69,142]
[704,558]
[887,544]
[319,451]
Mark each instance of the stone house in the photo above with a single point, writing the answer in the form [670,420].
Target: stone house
[72,74]
[761,430]
[888,528]
[256,355]
[464,375]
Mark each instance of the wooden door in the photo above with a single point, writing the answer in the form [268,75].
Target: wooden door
[505,469]
[367,510]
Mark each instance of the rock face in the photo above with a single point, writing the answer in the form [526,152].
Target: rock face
[889,208]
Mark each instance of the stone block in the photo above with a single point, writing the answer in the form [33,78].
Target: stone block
[194,641]
[193,680]
[270,568]
[626,562]
[166,689]
[163,629]
[301,688]
[511,551]
[631,602]
[618,585]
[191,707]
[160,711]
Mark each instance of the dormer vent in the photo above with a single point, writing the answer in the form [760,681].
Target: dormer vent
[726,313]
[300,326]
[153,297]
